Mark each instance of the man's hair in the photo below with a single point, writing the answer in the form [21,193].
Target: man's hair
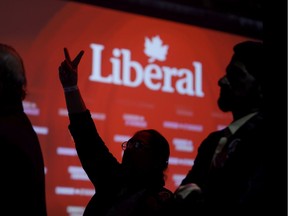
[251,53]
[12,74]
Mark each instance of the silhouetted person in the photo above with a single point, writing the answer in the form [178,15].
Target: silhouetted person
[22,165]
[229,175]
[134,187]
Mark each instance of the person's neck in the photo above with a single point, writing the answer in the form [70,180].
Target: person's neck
[151,182]
[11,106]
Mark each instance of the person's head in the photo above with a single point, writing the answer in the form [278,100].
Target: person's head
[241,89]
[12,74]
[147,152]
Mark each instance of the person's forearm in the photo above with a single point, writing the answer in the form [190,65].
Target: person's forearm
[74,102]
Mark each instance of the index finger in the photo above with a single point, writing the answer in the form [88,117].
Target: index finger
[66,53]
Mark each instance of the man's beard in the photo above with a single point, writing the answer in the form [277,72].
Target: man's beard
[225,101]
[232,104]
[224,105]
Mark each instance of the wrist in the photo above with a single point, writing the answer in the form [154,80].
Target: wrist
[70,88]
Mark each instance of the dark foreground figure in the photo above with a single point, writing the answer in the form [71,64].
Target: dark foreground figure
[22,165]
[230,171]
[134,187]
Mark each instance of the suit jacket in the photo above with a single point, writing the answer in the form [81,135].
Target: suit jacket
[240,186]
[22,165]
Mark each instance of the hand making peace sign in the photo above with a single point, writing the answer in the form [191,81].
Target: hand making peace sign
[68,70]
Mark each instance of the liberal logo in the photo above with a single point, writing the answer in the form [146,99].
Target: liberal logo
[156,78]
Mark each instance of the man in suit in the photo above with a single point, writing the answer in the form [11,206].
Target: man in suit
[229,174]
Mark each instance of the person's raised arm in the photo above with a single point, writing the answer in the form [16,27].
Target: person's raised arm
[68,74]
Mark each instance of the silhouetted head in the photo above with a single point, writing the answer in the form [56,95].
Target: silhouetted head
[12,74]
[241,90]
[146,156]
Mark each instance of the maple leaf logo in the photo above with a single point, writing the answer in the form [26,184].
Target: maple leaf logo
[155,49]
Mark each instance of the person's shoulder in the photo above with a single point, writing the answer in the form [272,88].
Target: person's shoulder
[165,195]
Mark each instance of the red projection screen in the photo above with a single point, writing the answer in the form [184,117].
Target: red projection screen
[137,72]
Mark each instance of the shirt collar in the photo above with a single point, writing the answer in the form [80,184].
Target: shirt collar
[234,126]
